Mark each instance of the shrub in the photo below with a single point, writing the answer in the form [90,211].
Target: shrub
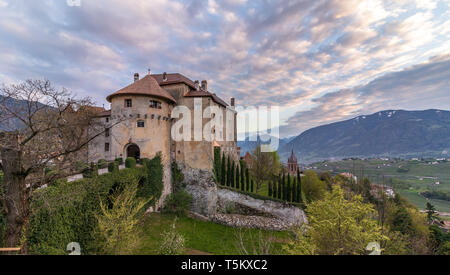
[119,161]
[102,164]
[130,163]
[117,225]
[153,185]
[79,166]
[113,167]
[172,242]
[90,172]
[178,203]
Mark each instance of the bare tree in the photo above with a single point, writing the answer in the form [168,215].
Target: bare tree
[254,244]
[264,166]
[39,126]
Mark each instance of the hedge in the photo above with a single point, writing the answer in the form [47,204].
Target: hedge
[130,163]
[65,213]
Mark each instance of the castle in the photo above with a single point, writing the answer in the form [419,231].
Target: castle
[140,124]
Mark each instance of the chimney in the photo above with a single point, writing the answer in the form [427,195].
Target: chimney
[205,85]
[233,102]
[164,76]
[136,77]
[197,85]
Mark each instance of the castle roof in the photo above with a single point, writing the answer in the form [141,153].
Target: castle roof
[145,86]
[292,158]
[177,78]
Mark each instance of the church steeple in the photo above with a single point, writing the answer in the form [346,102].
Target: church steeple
[292,163]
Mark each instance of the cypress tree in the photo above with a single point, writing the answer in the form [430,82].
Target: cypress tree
[247,180]
[228,172]
[270,188]
[217,165]
[252,187]
[299,187]
[238,177]
[288,188]
[279,187]
[223,169]
[283,187]
[233,170]
[294,190]
[242,178]
[275,189]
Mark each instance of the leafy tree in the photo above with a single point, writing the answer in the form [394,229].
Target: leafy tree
[337,227]
[313,187]
[263,166]
[117,225]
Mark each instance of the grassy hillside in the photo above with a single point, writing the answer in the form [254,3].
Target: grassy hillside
[408,177]
[202,237]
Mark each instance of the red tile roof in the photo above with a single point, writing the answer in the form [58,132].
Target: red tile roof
[145,86]
[174,79]
[104,113]
[179,78]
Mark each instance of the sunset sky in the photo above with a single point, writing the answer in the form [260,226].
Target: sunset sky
[320,61]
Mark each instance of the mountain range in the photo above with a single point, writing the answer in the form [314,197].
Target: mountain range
[391,133]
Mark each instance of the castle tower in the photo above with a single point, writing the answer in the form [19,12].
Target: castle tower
[292,164]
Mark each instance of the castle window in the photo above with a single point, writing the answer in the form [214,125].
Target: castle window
[141,124]
[128,103]
[107,133]
[155,104]
[106,147]
[107,119]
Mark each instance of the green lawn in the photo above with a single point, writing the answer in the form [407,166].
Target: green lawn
[205,237]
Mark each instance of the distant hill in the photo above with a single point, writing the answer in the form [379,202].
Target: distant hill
[18,106]
[387,133]
[249,146]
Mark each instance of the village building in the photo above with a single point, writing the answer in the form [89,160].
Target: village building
[139,124]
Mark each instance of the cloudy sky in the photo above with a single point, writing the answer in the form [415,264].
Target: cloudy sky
[320,61]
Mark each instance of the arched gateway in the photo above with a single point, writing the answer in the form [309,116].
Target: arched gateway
[133,151]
